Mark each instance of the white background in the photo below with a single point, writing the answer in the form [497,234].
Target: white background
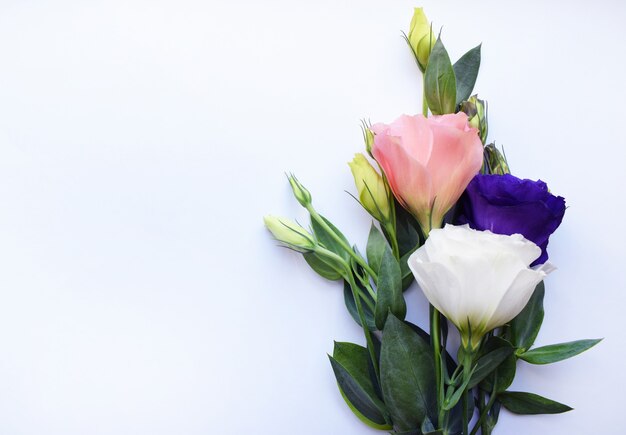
[141,143]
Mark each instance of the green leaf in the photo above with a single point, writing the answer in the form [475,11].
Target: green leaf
[504,374]
[440,81]
[328,241]
[376,245]
[429,429]
[362,417]
[488,364]
[407,376]
[351,365]
[351,306]
[389,290]
[525,327]
[322,266]
[557,352]
[405,270]
[466,71]
[407,230]
[529,403]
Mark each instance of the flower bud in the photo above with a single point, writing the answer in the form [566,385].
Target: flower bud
[476,111]
[495,161]
[373,192]
[290,233]
[421,38]
[299,191]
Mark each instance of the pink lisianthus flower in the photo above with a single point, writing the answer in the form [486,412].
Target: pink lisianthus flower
[428,162]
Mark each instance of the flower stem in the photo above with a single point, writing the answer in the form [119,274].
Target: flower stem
[315,215]
[436,344]
[424,102]
[486,409]
[467,372]
[366,331]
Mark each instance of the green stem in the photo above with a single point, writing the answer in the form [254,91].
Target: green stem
[424,102]
[341,243]
[483,414]
[337,259]
[467,371]
[436,343]
[366,331]
[481,407]
[394,242]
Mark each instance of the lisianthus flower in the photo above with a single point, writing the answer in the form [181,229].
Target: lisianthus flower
[428,162]
[505,204]
[477,279]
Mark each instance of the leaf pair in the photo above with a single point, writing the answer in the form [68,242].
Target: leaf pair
[447,85]
[389,296]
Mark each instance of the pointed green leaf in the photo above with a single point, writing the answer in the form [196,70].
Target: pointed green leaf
[466,71]
[407,376]
[440,81]
[557,352]
[389,295]
[405,270]
[504,374]
[328,241]
[525,327]
[351,306]
[352,369]
[376,245]
[407,232]
[488,364]
[529,403]
[322,266]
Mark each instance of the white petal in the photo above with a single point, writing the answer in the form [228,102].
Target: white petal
[516,297]
[439,285]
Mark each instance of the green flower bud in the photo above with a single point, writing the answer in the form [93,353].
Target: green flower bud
[290,234]
[299,191]
[476,111]
[421,38]
[495,161]
[373,192]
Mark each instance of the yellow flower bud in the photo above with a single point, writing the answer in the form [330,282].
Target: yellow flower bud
[421,38]
[290,233]
[373,191]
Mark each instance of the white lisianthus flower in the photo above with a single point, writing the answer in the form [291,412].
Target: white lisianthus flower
[477,279]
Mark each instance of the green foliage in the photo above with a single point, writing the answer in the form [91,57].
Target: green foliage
[376,246]
[327,240]
[488,363]
[351,306]
[353,371]
[529,403]
[440,81]
[407,376]
[525,327]
[557,352]
[466,72]
[389,296]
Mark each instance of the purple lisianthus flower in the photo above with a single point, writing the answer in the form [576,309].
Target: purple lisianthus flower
[505,204]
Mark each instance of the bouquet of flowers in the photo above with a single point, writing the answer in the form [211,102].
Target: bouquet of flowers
[448,214]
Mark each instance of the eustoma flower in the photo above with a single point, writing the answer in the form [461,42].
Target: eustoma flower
[428,162]
[506,204]
[477,279]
